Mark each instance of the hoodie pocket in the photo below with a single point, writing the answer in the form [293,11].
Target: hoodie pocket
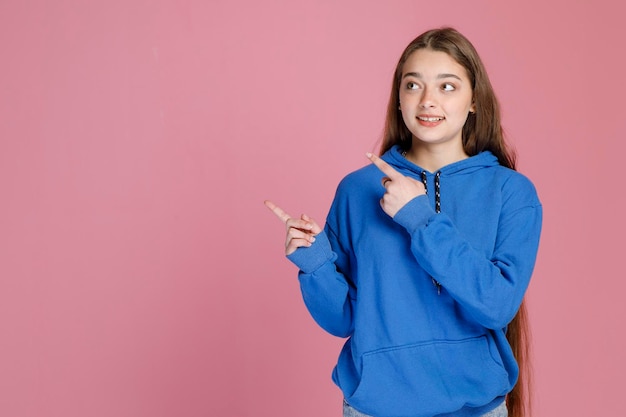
[428,379]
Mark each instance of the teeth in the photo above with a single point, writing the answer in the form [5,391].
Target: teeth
[430,119]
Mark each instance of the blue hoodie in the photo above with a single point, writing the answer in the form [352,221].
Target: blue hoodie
[424,297]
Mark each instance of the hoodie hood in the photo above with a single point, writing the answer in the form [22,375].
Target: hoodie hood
[432,181]
[465,166]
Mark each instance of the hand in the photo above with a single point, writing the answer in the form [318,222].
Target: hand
[300,232]
[399,188]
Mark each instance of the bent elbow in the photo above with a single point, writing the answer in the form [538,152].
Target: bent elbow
[339,328]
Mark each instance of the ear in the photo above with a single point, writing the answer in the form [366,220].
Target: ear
[473,108]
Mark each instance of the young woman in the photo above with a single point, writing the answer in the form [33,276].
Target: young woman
[427,252]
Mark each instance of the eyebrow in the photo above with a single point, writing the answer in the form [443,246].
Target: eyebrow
[439,76]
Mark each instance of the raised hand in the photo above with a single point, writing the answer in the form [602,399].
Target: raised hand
[399,188]
[300,232]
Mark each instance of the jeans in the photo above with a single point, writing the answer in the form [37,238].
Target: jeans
[499,411]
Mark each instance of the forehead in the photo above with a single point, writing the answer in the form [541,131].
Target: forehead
[430,63]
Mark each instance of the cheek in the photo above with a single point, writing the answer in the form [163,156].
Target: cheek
[463,108]
[401,97]
[406,113]
[470,103]
[403,105]
[408,102]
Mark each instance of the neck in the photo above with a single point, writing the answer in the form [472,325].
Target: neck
[433,157]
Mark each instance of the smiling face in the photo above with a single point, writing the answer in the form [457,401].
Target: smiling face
[435,98]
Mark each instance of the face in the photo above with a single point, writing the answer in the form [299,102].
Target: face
[435,97]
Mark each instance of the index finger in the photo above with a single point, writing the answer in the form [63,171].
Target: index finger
[280,213]
[387,169]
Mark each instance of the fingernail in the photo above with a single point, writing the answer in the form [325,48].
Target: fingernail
[312,239]
[369,155]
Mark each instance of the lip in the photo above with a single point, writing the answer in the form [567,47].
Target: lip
[429,120]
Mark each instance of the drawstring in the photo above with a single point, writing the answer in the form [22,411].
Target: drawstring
[437,209]
[437,189]
[437,193]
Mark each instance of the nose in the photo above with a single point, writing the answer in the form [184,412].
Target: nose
[427,99]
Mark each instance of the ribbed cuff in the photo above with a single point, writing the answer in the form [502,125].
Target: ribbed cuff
[309,259]
[414,214]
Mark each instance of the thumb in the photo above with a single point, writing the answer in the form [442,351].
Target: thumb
[315,229]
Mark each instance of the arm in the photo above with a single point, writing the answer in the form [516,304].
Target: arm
[324,287]
[490,290]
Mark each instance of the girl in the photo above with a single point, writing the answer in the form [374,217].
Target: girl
[427,253]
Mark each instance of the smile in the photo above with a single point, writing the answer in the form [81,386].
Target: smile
[430,119]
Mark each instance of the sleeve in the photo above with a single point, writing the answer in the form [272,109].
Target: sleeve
[325,288]
[490,290]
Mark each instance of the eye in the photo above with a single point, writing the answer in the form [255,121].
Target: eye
[412,86]
[448,87]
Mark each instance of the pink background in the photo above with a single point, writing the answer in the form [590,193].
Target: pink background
[140,273]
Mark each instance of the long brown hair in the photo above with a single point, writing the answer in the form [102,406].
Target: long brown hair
[482,131]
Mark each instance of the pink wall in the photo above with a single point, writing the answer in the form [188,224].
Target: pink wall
[140,273]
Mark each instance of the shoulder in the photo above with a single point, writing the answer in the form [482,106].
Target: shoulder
[356,193]
[360,180]
[517,188]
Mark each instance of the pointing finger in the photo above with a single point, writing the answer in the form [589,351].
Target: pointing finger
[280,213]
[387,169]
